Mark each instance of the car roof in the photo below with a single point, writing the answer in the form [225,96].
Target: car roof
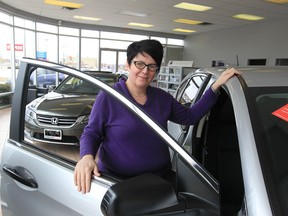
[257,76]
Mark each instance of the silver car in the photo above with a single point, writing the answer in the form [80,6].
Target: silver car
[233,162]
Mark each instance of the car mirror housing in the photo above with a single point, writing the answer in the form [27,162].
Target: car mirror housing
[51,88]
[139,195]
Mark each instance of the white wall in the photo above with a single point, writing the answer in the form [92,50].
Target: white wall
[261,40]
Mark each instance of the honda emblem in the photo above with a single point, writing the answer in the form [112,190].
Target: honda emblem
[54,120]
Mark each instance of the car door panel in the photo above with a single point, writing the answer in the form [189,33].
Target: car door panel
[48,187]
[55,195]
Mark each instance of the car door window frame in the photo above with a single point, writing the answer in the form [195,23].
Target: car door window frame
[17,133]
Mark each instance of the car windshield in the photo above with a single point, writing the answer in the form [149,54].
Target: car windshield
[272,139]
[73,85]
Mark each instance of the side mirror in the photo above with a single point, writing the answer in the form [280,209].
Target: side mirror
[139,195]
[51,88]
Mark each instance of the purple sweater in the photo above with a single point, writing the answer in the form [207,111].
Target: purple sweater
[128,147]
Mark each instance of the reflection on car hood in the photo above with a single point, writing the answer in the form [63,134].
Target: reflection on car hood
[63,104]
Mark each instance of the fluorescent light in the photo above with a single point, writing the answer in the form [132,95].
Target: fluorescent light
[278,1]
[184,30]
[87,18]
[140,24]
[130,13]
[63,3]
[248,17]
[187,21]
[194,7]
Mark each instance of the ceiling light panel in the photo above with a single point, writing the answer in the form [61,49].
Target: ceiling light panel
[140,24]
[187,21]
[278,1]
[87,18]
[131,13]
[248,17]
[63,3]
[193,7]
[183,30]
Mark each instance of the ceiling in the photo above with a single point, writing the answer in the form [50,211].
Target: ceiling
[160,13]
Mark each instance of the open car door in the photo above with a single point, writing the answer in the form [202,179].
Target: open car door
[38,179]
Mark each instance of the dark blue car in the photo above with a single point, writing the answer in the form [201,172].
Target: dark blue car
[45,78]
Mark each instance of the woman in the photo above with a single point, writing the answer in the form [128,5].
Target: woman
[125,146]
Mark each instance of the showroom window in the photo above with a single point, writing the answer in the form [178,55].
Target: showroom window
[46,28]
[69,51]
[24,45]
[90,33]
[171,41]
[28,24]
[160,39]
[122,36]
[73,46]
[47,45]
[6,75]
[69,31]
[89,56]
[5,18]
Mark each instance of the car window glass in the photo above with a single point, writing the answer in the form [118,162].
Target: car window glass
[44,78]
[273,113]
[54,120]
[73,85]
[110,81]
[187,92]
[272,126]
[48,119]
[190,89]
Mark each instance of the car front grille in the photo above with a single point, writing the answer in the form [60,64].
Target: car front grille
[57,121]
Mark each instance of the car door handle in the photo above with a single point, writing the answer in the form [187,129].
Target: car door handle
[21,175]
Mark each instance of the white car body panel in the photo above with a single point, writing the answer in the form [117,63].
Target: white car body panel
[48,195]
[255,190]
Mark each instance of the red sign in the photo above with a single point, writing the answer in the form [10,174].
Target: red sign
[282,113]
[17,47]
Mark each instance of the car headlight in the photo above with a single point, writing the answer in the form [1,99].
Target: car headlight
[83,119]
[30,114]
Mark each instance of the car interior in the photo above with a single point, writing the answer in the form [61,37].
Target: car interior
[275,136]
[217,150]
[220,154]
[213,142]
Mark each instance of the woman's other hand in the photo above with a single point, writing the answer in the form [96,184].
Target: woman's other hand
[226,75]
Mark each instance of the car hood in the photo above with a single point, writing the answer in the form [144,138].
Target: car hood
[54,103]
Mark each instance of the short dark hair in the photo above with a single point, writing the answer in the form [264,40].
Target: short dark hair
[152,47]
